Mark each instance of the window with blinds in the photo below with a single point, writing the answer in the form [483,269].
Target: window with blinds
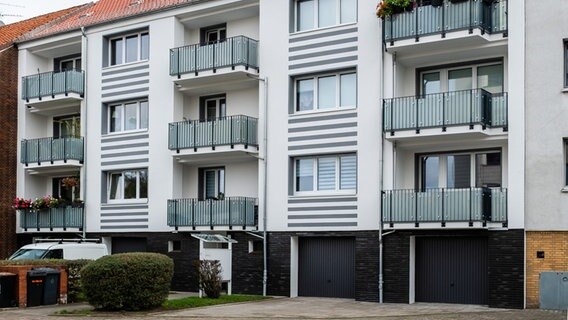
[330,173]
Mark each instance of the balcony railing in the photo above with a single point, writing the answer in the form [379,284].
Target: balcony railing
[456,108]
[229,52]
[49,84]
[51,149]
[66,217]
[222,131]
[489,16]
[445,205]
[229,212]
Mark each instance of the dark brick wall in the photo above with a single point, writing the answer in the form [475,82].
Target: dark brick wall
[246,267]
[506,265]
[366,262]
[506,269]
[8,149]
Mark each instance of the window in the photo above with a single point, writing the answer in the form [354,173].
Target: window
[214,108]
[455,170]
[255,246]
[68,126]
[313,14]
[566,161]
[65,192]
[326,174]
[128,185]
[128,116]
[565,63]
[326,92]
[213,34]
[129,48]
[70,64]
[214,183]
[174,246]
[487,76]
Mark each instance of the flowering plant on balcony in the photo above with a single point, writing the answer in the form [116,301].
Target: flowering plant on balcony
[22,204]
[70,182]
[387,8]
[46,202]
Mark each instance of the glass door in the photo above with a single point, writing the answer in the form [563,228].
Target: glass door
[214,184]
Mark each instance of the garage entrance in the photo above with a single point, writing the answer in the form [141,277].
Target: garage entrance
[326,267]
[451,270]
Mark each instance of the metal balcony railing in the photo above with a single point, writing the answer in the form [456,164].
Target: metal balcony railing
[65,217]
[466,107]
[51,149]
[489,16]
[228,212]
[229,130]
[229,52]
[49,84]
[445,205]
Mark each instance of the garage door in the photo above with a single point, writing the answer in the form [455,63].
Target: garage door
[123,245]
[451,270]
[326,267]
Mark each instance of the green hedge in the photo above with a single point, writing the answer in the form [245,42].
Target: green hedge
[128,281]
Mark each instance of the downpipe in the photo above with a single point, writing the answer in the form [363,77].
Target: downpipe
[85,124]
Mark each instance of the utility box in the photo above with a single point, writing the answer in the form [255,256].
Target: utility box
[8,282]
[35,283]
[554,290]
[50,285]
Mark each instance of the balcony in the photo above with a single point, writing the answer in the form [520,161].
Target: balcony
[448,112]
[52,155]
[232,136]
[238,212]
[53,219]
[53,89]
[228,61]
[465,22]
[435,207]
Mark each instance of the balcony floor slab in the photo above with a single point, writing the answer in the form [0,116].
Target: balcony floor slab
[57,168]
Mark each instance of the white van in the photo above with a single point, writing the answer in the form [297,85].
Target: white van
[60,250]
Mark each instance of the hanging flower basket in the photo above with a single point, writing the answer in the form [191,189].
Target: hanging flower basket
[70,182]
[387,8]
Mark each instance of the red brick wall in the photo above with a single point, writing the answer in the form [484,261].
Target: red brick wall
[22,272]
[8,149]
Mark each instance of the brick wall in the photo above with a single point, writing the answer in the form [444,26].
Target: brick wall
[21,288]
[555,248]
[8,136]
[247,266]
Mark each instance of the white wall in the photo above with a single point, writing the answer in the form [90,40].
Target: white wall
[240,179]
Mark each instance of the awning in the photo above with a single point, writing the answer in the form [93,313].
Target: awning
[214,238]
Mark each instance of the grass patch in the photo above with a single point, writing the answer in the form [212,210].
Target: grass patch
[194,302]
[84,312]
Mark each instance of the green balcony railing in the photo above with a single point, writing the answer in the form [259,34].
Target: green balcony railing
[229,130]
[456,108]
[49,84]
[229,52]
[489,16]
[61,218]
[51,149]
[445,205]
[229,212]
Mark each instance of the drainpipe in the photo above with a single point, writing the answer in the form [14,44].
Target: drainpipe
[84,124]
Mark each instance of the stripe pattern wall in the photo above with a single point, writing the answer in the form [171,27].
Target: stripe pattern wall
[124,217]
[332,132]
[125,82]
[323,50]
[322,212]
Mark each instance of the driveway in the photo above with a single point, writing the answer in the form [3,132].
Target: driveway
[309,308]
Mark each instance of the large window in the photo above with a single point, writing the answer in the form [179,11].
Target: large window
[313,14]
[333,173]
[461,170]
[488,76]
[326,91]
[129,48]
[128,116]
[128,185]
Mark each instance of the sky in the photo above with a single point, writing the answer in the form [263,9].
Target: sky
[33,8]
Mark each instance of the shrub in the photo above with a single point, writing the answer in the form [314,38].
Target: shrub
[209,272]
[128,281]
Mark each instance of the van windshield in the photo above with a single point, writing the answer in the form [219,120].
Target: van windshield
[28,254]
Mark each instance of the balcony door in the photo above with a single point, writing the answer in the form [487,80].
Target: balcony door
[212,183]
[213,108]
[482,76]
[212,34]
[460,170]
[67,126]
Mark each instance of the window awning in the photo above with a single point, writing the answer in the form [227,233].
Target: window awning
[213,238]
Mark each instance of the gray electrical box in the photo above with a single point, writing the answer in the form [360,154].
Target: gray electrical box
[554,290]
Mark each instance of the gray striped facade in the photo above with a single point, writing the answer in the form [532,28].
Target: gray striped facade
[337,211]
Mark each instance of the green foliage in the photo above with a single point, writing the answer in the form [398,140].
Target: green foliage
[128,281]
[194,302]
[387,8]
[209,272]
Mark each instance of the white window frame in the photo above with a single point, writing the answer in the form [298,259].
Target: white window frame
[219,187]
[315,191]
[316,16]
[74,60]
[138,116]
[314,79]
[138,46]
[121,186]
[444,75]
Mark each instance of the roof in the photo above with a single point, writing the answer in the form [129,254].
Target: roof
[104,11]
[10,32]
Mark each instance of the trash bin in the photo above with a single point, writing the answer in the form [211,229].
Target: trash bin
[8,283]
[35,283]
[50,285]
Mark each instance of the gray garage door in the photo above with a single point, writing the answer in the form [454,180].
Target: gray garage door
[326,267]
[451,270]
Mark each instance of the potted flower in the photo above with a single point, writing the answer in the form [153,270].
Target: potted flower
[22,204]
[70,182]
[387,8]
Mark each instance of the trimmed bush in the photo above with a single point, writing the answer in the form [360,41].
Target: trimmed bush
[209,272]
[128,281]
